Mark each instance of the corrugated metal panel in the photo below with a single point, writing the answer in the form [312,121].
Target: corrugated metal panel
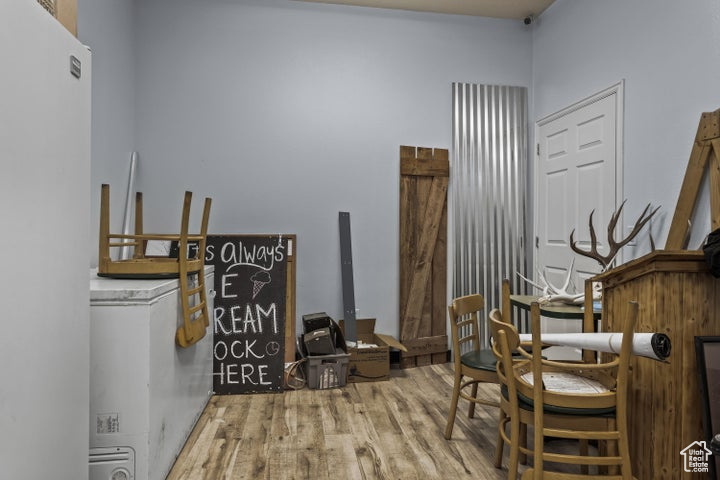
[487,190]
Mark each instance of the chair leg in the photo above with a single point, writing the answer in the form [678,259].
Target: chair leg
[609,448]
[623,451]
[500,443]
[625,466]
[453,406]
[538,451]
[523,443]
[514,448]
[471,408]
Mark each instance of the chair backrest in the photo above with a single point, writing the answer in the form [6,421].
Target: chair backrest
[623,372]
[613,374]
[505,341]
[185,236]
[505,307]
[499,324]
[464,323]
[204,227]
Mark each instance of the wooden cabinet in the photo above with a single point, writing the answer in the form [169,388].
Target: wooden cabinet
[678,297]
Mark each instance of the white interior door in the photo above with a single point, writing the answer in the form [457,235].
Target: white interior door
[578,171]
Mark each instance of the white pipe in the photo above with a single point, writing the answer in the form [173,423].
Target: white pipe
[125,251]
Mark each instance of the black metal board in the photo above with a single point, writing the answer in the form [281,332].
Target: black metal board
[348,286]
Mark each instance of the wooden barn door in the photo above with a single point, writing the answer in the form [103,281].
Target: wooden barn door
[424,176]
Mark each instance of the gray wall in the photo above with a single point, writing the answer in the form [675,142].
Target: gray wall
[107,26]
[287,113]
[669,55]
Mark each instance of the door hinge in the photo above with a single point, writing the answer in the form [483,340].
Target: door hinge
[537,242]
[537,149]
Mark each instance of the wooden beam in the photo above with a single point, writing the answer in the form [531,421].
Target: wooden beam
[426,345]
[714,166]
[436,167]
[688,196]
[290,312]
[709,127]
[706,144]
[423,265]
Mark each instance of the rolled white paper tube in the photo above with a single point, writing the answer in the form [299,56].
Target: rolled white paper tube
[651,345]
[125,251]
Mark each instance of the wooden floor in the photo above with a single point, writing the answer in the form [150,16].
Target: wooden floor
[378,430]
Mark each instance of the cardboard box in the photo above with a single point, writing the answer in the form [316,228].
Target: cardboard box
[64,10]
[370,364]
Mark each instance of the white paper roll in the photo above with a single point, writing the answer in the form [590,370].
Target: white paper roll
[651,345]
[125,251]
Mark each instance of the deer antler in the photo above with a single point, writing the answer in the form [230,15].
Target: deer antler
[614,246]
[551,293]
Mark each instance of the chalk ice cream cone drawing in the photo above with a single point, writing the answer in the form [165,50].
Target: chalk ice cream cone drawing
[259,280]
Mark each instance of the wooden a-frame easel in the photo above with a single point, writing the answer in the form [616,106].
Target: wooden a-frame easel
[705,154]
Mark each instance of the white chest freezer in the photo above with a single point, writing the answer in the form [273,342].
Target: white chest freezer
[146,393]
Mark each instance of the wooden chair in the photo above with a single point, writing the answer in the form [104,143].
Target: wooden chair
[506,344]
[508,350]
[571,414]
[188,269]
[608,403]
[470,361]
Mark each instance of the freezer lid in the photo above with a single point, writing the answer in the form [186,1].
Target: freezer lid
[117,290]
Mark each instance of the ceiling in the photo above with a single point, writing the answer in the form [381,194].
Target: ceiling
[482,8]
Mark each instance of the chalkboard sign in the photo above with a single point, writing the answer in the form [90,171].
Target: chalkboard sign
[250,310]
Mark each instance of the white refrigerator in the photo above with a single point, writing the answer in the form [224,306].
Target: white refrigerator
[45,243]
